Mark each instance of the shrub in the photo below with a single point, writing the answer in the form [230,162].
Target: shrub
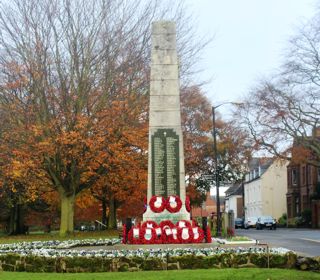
[283,220]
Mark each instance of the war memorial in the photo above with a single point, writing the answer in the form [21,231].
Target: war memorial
[167,215]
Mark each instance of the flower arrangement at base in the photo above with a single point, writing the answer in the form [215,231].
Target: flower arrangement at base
[198,235]
[170,236]
[157,204]
[134,236]
[149,224]
[188,206]
[148,236]
[173,203]
[183,223]
[166,224]
[185,234]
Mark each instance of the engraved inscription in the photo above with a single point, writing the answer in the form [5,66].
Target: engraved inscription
[159,168]
[171,165]
[165,163]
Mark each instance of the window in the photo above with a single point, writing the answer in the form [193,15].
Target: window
[294,177]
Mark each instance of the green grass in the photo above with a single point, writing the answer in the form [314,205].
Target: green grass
[212,274]
[238,238]
[40,236]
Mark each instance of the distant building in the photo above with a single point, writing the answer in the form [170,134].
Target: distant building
[209,207]
[303,192]
[234,200]
[265,188]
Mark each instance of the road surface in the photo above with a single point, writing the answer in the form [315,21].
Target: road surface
[303,241]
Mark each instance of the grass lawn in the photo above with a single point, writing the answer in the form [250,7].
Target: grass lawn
[40,236]
[239,238]
[212,274]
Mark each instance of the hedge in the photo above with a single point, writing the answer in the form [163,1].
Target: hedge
[15,262]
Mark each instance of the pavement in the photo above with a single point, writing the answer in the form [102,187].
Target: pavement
[305,242]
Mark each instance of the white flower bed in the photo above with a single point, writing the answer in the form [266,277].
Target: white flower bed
[56,244]
[58,249]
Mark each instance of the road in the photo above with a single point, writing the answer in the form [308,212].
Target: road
[303,241]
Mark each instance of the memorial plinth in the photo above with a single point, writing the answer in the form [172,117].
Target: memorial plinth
[167,218]
[166,176]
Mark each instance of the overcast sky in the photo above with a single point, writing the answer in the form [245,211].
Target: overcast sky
[250,36]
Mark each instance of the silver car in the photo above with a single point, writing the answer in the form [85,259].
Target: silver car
[250,222]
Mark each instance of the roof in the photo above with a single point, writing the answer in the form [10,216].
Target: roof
[263,162]
[235,189]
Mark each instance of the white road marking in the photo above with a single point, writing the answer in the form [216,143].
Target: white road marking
[312,240]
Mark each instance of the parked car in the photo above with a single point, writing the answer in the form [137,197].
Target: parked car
[83,228]
[266,222]
[238,223]
[250,222]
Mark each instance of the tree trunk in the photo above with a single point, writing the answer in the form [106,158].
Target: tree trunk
[15,224]
[112,223]
[10,223]
[104,213]
[67,214]
[20,227]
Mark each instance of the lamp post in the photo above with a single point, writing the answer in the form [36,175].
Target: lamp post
[217,180]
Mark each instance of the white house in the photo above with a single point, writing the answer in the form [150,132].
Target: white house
[234,200]
[265,188]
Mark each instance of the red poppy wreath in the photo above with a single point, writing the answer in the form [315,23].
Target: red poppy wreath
[157,204]
[174,203]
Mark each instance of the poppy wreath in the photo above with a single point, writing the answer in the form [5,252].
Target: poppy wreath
[149,224]
[181,234]
[171,236]
[176,200]
[188,207]
[183,223]
[166,224]
[132,238]
[198,235]
[152,205]
[153,238]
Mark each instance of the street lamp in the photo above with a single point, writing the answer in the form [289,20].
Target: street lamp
[217,181]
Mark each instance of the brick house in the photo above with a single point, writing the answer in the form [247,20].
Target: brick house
[208,208]
[303,190]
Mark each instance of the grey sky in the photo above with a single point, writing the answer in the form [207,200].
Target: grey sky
[250,36]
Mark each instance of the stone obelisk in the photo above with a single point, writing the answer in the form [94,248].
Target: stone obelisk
[166,175]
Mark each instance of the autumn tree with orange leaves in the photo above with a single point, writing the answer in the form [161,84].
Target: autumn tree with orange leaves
[73,87]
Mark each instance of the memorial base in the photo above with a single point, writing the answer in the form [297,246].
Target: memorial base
[166,221]
[166,215]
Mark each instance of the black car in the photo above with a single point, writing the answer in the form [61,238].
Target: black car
[239,223]
[266,222]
